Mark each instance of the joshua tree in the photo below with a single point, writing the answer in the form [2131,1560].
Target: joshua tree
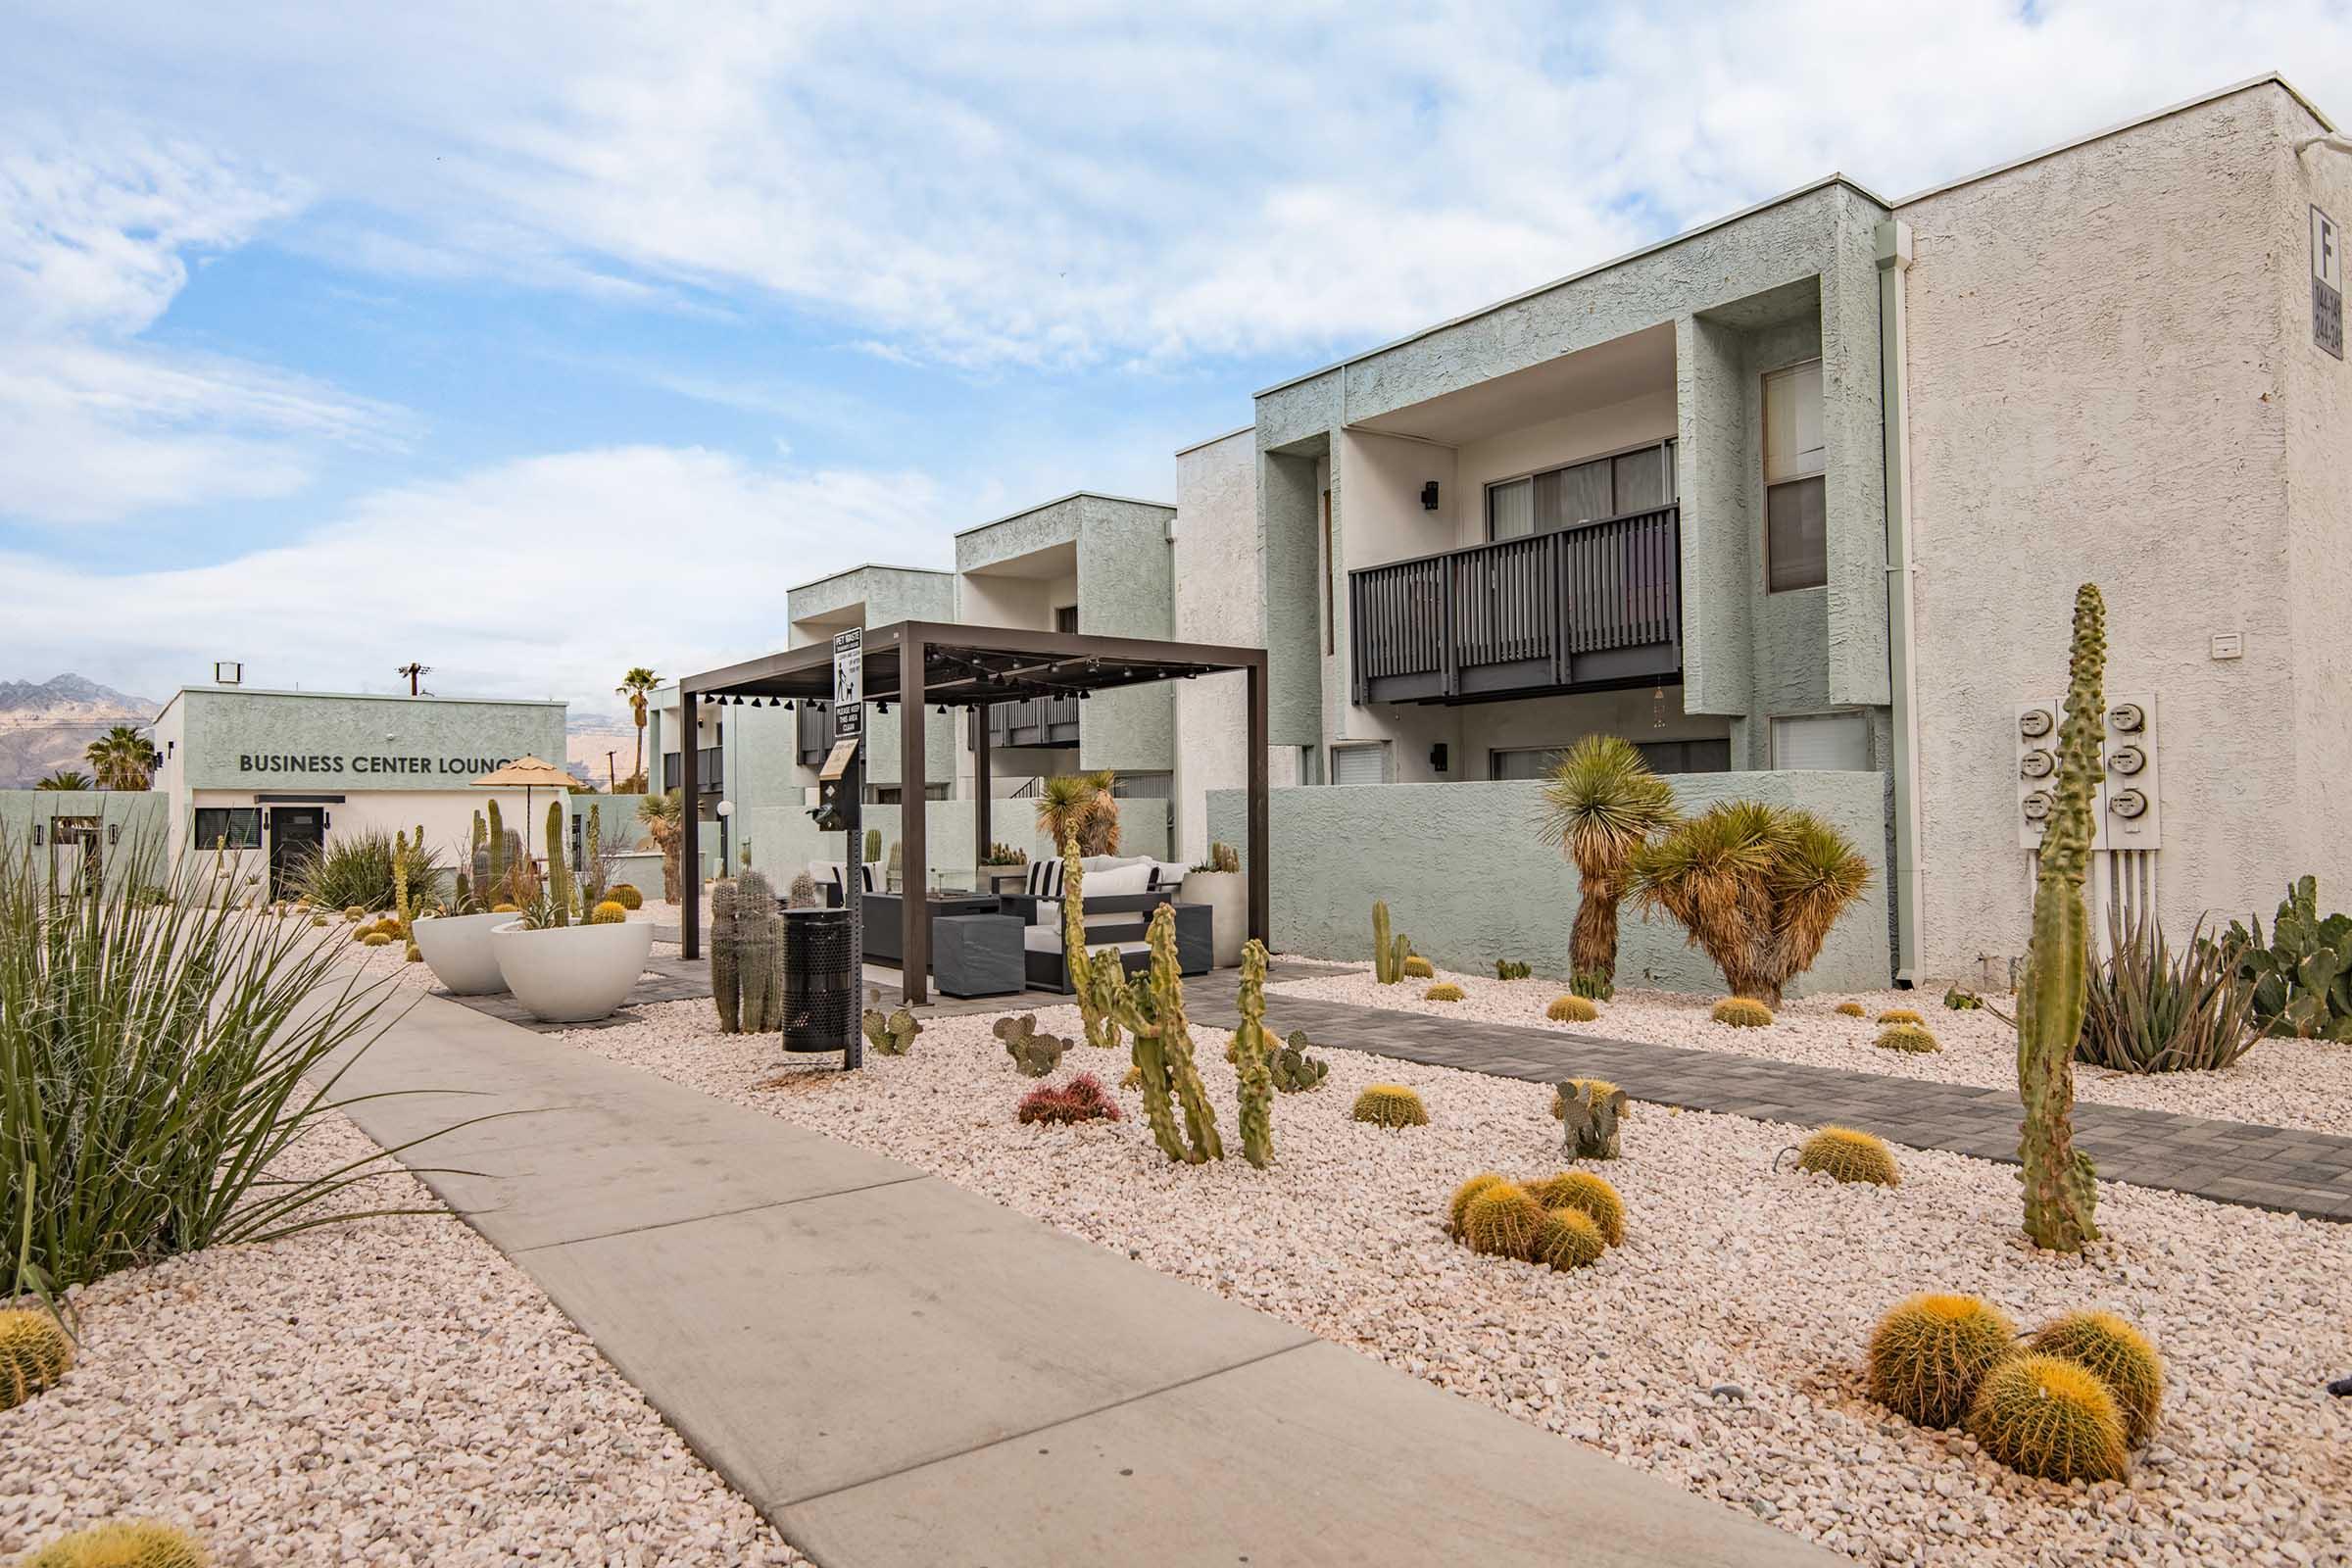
[1600,805]
[664,820]
[1758,887]
[124,759]
[1080,806]
[66,778]
[638,684]
[2060,1192]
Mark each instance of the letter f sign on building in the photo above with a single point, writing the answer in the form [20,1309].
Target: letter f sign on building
[849,685]
[2327,283]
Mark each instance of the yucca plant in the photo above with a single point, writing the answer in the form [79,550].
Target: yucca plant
[1602,804]
[1080,806]
[1757,887]
[356,869]
[155,1058]
[2151,1010]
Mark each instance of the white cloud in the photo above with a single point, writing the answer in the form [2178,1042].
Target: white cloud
[96,234]
[536,577]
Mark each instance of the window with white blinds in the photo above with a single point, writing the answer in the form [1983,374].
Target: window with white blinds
[1797,536]
[1824,742]
[1561,498]
[1360,764]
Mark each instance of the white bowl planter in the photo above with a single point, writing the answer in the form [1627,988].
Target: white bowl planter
[1227,893]
[572,974]
[457,948]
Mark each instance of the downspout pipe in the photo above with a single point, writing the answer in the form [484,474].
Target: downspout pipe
[1894,238]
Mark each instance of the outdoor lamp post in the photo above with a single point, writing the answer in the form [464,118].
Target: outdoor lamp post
[726,811]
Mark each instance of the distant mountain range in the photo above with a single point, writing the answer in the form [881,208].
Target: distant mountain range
[589,736]
[47,725]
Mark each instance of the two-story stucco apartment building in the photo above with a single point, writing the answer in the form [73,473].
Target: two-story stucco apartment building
[1797,502]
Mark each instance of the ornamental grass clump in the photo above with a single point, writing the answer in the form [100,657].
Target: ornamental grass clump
[1846,1154]
[155,1059]
[1082,1098]
[1742,1012]
[1572,1009]
[34,1353]
[1589,1195]
[1909,1038]
[1756,887]
[2118,1355]
[1931,1353]
[2049,1417]
[132,1543]
[1443,991]
[1390,1105]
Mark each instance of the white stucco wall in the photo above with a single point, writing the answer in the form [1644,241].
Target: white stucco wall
[1221,597]
[2105,372]
[1549,444]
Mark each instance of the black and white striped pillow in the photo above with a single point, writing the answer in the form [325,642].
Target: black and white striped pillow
[1044,879]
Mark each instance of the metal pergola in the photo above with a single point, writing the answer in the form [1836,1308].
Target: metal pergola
[918,664]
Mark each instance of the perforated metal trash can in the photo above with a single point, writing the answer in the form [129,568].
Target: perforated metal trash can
[820,981]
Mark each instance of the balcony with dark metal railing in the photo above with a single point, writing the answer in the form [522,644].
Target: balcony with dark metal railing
[1032,722]
[1578,608]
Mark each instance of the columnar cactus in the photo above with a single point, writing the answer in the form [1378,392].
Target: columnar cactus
[496,847]
[400,872]
[1250,1047]
[758,966]
[591,861]
[1388,952]
[558,869]
[1151,1011]
[726,983]
[1097,984]
[2060,1190]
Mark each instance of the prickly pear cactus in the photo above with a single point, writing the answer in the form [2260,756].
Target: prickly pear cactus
[2060,1190]
[1292,1069]
[894,1035]
[1250,1047]
[1035,1055]
[1590,1110]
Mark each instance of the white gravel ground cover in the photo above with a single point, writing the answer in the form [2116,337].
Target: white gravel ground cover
[2280,1083]
[1730,1274]
[391,1391]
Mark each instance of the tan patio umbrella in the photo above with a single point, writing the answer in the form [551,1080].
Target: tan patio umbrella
[526,775]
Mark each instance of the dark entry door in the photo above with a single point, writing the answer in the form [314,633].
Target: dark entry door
[295,834]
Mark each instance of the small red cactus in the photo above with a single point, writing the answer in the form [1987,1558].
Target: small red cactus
[1082,1098]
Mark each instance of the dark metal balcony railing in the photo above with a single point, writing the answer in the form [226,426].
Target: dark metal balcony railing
[1593,606]
[1032,721]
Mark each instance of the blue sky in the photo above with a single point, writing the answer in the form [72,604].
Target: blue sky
[496,336]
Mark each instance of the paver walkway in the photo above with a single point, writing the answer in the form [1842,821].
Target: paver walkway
[2288,1169]
[895,1370]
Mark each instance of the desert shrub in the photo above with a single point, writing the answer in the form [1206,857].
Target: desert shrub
[1742,1013]
[1459,1203]
[1589,1195]
[129,1543]
[2049,1417]
[2150,1009]
[1910,1038]
[1503,1220]
[2118,1355]
[353,870]
[1570,1010]
[1082,1098]
[625,895]
[1851,1009]
[1443,991]
[1849,1155]
[34,1353]
[153,1059]
[1569,1239]
[1390,1105]
[1930,1354]
[1416,967]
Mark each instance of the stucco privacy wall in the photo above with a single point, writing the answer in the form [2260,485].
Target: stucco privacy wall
[2105,370]
[131,824]
[1466,877]
[1824,231]
[1219,598]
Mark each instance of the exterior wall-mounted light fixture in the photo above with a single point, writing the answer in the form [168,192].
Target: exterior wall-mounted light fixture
[1428,496]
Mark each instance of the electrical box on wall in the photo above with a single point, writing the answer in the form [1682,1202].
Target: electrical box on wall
[2125,804]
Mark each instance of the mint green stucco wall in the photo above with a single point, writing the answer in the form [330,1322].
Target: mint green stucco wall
[354,742]
[131,823]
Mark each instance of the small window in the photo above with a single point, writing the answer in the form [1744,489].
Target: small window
[1797,536]
[1826,742]
[1331,620]
[240,826]
[1065,617]
[1524,762]
[1360,764]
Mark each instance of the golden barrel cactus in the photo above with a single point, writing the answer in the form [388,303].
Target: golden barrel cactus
[1569,1239]
[1849,1155]
[1443,991]
[1503,1221]
[1416,967]
[1459,1203]
[1909,1038]
[136,1543]
[2118,1355]
[1932,1351]
[34,1353]
[1570,1010]
[2049,1417]
[1742,1013]
[1900,1016]
[1589,1195]
[1390,1105]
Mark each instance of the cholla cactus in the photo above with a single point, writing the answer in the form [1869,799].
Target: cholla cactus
[1250,1047]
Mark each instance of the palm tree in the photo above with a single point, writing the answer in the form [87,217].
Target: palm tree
[636,686]
[124,759]
[66,778]
[664,820]
[1757,886]
[1602,804]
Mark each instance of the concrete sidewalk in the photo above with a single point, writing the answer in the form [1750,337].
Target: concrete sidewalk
[898,1371]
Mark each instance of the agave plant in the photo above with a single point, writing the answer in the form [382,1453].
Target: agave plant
[1757,887]
[355,870]
[2151,1010]
[1600,804]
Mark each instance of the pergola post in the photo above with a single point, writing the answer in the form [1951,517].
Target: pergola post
[1260,848]
[983,829]
[914,823]
[690,838]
